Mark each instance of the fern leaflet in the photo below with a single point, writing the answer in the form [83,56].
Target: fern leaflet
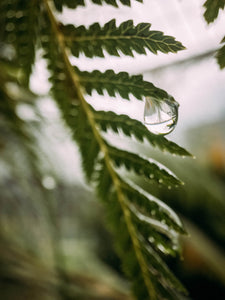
[142,166]
[220,55]
[73,4]
[121,83]
[131,127]
[212,9]
[125,38]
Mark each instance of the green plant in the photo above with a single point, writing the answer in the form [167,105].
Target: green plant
[212,9]
[145,228]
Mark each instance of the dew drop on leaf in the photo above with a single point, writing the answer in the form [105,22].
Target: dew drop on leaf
[160,117]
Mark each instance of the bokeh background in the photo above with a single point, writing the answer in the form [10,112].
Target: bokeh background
[50,219]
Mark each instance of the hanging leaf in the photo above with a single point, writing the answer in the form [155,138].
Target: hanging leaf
[220,55]
[126,38]
[212,8]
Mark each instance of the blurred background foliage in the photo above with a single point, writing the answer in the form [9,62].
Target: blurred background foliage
[54,242]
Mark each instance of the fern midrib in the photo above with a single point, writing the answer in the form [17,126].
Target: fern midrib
[102,145]
[146,164]
[117,37]
[129,84]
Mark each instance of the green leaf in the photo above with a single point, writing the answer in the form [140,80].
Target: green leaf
[164,279]
[131,127]
[220,55]
[126,38]
[74,3]
[212,9]
[151,206]
[121,83]
[143,166]
[162,239]
[69,3]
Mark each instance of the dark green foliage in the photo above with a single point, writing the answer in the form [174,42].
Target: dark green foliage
[211,13]
[121,83]
[165,282]
[18,32]
[151,206]
[131,127]
[126,38]
[74,3]
[212,9]
[161,278]
[9,101]
[68,102]
[69,3]
[220,55]
[142,166]
[8,112]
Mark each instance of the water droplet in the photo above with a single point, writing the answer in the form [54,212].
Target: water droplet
[160,180]
[169,187]
[151,176]
[160,117]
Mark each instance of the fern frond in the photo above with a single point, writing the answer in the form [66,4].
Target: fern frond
[212,9]
[73,4]
[121,83]
[19,28]
[131,127]
[69,3]
[220,55]
[81,119]
[126,38]
[141,165]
